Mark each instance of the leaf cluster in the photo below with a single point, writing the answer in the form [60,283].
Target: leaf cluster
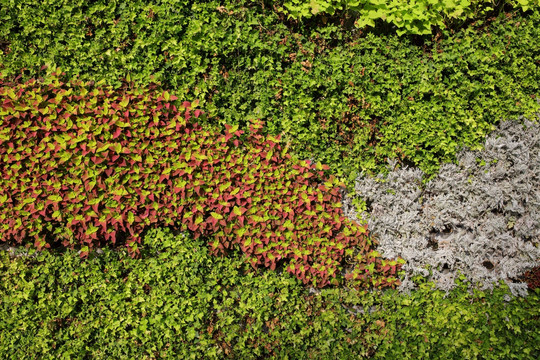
[85,164]
[532,277]
[349,101]
[417,17]
[178,300]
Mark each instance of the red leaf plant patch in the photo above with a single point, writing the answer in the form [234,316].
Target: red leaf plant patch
[83,163]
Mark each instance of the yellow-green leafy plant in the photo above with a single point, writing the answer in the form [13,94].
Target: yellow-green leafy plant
[410,17]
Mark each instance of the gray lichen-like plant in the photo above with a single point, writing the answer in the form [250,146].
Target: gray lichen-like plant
[480,218]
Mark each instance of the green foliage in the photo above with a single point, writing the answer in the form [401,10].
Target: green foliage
[179,301]
[348,102]
[176,301]
[459,325]
[410,17]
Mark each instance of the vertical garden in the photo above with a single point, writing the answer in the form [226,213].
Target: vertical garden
[256,179]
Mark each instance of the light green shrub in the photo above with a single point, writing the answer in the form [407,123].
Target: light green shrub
[179,301]
[410,17]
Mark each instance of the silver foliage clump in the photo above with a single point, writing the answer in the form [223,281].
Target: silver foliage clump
[480,218]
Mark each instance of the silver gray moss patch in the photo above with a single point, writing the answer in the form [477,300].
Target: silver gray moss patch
[480,218]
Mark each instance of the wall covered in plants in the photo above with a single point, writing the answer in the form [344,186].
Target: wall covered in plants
[178,190]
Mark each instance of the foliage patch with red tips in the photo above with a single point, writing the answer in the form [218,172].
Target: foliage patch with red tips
[86,164]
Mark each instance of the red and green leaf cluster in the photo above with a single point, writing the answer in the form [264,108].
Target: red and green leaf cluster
[85,164]
[371,270]
[532,278]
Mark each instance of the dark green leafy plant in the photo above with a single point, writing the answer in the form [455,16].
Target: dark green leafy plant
[459,324]
[347,100]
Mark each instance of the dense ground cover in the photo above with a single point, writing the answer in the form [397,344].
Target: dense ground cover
[479,218]
[179,301]
[349,96]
